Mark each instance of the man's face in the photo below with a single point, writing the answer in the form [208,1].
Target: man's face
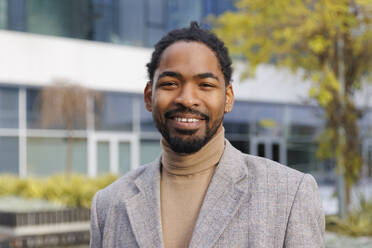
[188,97]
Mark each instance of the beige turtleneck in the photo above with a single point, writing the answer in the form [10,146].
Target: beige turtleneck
[184,182]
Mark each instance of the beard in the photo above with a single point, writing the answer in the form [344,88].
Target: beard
[192,143]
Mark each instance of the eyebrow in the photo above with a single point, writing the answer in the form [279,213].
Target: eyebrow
[179,76]
[207,75]
[170,74]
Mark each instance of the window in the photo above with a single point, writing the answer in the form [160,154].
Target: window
[33,108]
[131,22]
[217,7]
[302,156]
[156,13]
[48,156]
[115,112]
[8,108]
[181,13]
[9,155]
[256,118]
[150,150]
[124,157]
[3,14]
[35,116]
[237,122]
[147,123]
[156,20]
[304,121]
[105,21]
[103,157]
[68,18]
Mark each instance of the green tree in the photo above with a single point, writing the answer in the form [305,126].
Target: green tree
[329,42]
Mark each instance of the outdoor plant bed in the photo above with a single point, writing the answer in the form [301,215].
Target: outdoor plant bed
[37,223]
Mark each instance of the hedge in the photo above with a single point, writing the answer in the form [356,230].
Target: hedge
[72,191]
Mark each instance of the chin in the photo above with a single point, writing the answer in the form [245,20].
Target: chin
[186,145]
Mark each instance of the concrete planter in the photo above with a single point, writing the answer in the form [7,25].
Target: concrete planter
[44,228]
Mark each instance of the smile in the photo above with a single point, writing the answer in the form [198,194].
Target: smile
[186,120]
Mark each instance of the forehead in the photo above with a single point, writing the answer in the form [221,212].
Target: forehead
[189,58]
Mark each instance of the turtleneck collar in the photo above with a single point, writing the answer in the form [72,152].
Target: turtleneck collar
[187,164]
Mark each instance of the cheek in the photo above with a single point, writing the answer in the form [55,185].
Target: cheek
[162,100]
[216,111]
[161,104]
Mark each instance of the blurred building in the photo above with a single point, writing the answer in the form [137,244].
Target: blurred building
[104,45]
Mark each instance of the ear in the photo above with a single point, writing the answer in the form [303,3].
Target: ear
[229,96]
[147,95]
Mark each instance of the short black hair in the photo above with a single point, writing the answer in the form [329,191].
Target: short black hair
[192,33]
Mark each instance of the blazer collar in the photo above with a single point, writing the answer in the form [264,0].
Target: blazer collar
[144,207]
[224,196]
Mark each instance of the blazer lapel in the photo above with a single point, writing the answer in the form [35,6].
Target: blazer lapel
[224,196]
[144,208]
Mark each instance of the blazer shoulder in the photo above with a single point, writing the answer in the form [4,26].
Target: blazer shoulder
[271,173]
[260,171]
[271,166]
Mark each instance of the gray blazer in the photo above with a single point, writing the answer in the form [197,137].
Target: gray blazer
[251,202]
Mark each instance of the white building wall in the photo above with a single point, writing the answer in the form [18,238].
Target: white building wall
[31,59]
[37,60]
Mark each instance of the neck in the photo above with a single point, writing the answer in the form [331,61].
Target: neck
[186,164]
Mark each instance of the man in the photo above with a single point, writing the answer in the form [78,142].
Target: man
[202,192]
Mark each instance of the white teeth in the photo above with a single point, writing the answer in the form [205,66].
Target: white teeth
[179,119]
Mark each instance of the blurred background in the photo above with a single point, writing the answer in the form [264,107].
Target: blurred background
[72,116]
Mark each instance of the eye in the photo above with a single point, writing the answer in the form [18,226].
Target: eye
[207,85]
[168,84]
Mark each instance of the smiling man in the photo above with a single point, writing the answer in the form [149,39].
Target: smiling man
[202,192]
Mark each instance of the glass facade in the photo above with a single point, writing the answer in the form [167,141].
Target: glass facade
[304,121]
[33,108]
[181,13]
[217,7]
[8,107]
[48,156]
[302,156]
[9,155]
[3,14]
[103,157]
[124,157]
[37,119]
[282,132]
[105,22]
[68,18]
[259,119]
[147,123]
[138,23]
[116,22]
[131,28]
[114,112]
[149,150]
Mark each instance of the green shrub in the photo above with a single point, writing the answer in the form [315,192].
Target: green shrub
[73,191]
[357,223]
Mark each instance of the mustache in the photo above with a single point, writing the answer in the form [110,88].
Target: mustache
[185,110]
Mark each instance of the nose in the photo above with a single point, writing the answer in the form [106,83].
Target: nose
[188,96]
